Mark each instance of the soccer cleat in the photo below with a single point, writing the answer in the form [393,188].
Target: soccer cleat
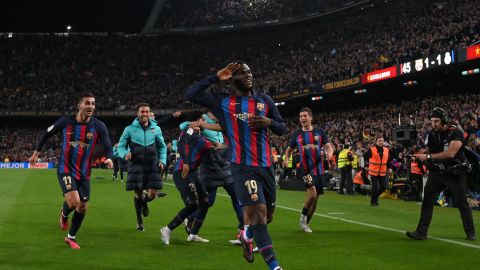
[305,228]
[416,235]
[278,268]
[196,238]
[63,222]
[165,232]
[160,194]
[247,248]
[140,227]
[72,243]
[471,237]
[235,242]
[303,224]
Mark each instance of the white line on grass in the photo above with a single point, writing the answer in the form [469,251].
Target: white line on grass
[368,225]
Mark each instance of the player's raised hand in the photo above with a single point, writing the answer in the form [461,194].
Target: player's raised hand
[195,124]
[185,170]
[33,159]
[226,73]
[177,113]
[109,163]
[259,122]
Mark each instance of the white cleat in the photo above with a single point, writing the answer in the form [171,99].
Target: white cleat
[196,238]
[303,224]
[235,242]
[165,232]
[305,228]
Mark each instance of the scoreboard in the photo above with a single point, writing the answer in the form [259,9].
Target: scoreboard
[418,65]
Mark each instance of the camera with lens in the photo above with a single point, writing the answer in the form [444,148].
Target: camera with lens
[406,135]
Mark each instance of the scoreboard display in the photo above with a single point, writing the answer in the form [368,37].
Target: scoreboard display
[422,64]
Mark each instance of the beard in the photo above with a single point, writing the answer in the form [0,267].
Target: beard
[241,87]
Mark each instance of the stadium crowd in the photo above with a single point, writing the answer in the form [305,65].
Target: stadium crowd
[355,127]
[186,13]
[123,71]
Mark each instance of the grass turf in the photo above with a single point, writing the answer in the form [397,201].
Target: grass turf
[30,202]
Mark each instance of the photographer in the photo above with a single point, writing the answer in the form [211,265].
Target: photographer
[448,167]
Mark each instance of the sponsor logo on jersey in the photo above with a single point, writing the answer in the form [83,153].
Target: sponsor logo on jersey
[80,144]
[243,116]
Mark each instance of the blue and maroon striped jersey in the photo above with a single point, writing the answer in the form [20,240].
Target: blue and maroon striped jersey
[191,146]
[246,146]
[309,144]
[78,143]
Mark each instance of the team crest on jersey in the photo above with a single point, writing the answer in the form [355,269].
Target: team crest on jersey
[260,107]
[316,138]
[89,135]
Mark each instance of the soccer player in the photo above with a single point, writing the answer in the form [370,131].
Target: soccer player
[245,117]
[309,141]
[213,173]
[80,133]
[191,147]
[142,144]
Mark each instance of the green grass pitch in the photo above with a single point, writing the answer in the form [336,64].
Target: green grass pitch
[348,233]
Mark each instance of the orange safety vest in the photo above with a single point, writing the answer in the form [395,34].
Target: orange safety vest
[377,166]
[358,179]
[415,169]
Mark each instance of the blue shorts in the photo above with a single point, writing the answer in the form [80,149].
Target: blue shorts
[68,184]
[312,180]
[191,188]
[254,185]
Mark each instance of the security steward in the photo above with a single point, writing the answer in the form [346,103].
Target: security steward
[379,159]
[417,171]
[345,159]
[448,168]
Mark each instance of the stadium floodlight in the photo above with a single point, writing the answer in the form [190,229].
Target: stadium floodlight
[69,27]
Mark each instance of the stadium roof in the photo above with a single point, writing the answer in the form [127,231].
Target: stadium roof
[83,16]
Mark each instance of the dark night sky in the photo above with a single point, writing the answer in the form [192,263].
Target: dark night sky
[83,15]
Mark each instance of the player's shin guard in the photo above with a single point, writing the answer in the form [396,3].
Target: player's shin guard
[66,210]
[76,223]
[264,243]
[138,206]
[183,214]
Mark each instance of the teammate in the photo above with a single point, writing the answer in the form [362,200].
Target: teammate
[213,173]
[191,147]
[142,144]
[244,118]
[80,133]
[309,140]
